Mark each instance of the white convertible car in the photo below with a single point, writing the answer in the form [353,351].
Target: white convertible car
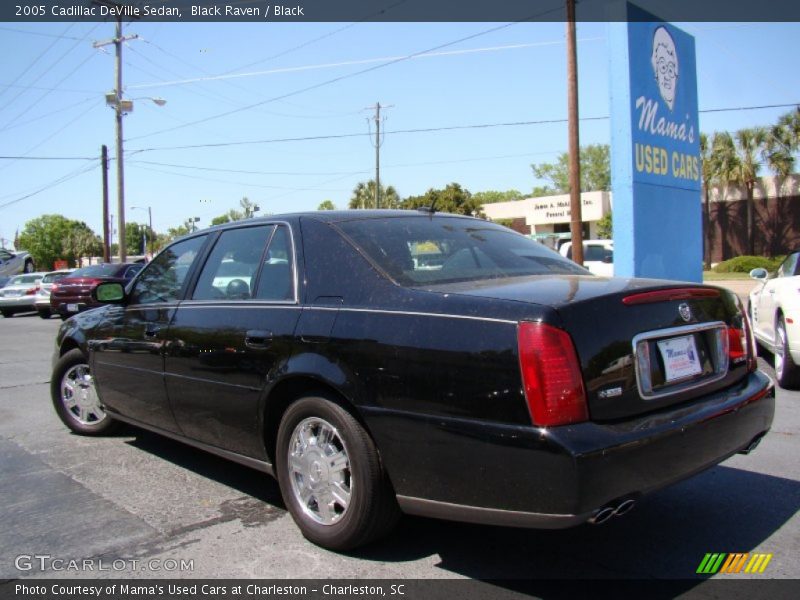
[775,313]
[12,263]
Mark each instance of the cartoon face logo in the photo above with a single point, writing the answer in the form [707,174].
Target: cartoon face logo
[665,65]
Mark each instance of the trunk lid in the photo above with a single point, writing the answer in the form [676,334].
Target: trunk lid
[642,344]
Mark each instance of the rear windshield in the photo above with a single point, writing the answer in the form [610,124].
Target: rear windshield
[430,250]
[104,270]
[25,279]
[51,277]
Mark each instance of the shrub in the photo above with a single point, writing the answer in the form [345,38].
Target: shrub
[745,264]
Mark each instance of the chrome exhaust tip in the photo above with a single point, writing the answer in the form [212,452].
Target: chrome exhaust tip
[601,516]
[624,507]
[612,510]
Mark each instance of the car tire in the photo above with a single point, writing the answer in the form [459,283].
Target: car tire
[331,476]
[7,313]
[28,268]
[786,371]
[45,314]
[75,397]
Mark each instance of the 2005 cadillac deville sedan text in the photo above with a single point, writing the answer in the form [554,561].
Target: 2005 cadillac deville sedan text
[379,362]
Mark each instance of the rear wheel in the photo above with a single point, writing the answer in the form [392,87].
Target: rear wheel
[7,313]
[331,477]
[75,397]
[786,370]
[45,313]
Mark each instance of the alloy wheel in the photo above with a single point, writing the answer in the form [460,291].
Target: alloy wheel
[319,470]
[79,396]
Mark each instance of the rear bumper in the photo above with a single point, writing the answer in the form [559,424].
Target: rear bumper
[62,305]
[559,477]
[17,304]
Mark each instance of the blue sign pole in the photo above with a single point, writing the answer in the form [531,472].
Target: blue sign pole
[655,150]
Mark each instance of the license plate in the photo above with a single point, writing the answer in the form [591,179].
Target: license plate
[680,358]
[72,308]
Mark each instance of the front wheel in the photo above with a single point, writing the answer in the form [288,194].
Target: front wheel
[75,397]
[786,370]
[331,477]
[7,313]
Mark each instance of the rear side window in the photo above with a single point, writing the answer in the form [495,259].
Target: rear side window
[424,250]
[248,263]
[231,269]
[162,280]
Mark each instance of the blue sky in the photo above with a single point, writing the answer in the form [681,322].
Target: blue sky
[53,82]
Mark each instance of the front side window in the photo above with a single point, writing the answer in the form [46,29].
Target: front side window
[421,250]
[163,279]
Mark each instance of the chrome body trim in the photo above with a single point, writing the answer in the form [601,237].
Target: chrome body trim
[642,359]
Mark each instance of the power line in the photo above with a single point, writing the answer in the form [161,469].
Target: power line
[329,81]
[48,158]
[52,184]
[39,33]
[432,129]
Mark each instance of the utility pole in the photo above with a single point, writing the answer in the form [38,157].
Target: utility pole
[106,242]
[576,220]
[120,108]
[377,144]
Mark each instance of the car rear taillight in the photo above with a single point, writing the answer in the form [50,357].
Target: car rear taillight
[30,291]
[742,342]
[54,287]
[551,375]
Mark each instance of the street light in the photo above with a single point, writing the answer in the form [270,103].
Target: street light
[194,220]
[122,107]
[150,219]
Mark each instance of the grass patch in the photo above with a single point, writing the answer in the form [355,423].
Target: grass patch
[712,276]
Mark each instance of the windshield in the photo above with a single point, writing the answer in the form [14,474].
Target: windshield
[104,270]
[423,250]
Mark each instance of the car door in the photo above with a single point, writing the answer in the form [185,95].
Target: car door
[769,295]
[228,339]
[128,351]
[7,266]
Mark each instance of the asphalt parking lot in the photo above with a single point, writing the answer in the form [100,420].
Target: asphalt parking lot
[138,497]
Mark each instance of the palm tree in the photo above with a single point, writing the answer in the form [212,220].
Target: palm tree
[781,145]
[364,196]
[738,163]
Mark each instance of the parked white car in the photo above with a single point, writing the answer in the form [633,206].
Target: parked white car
[598,256]
[42,301]
[19,294]
[775,314]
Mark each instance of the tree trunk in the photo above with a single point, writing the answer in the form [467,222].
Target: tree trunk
[751,241]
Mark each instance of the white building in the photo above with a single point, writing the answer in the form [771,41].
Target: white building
[548,216]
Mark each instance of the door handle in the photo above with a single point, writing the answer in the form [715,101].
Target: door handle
[257,339]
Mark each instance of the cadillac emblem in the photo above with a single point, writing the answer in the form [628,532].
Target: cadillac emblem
[685,312]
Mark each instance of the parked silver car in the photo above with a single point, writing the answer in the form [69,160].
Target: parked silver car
[42,301]
[19,294]
[12,263]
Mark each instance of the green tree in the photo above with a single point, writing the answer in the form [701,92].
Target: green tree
[326,205]
[364,196]
[138,236]
[737,160]
[452,199]
[595,171]
[52,237]
[226,218]
[605,227]
[709,173]
[781,144]
[493,196]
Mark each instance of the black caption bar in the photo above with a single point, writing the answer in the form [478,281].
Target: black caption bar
[389,10]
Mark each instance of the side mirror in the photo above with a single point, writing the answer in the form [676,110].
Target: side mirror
[109,292]
[759,274]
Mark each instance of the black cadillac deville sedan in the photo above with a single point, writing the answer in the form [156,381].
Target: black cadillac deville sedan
[379,362]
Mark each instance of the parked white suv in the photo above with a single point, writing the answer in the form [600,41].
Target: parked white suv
[598,256]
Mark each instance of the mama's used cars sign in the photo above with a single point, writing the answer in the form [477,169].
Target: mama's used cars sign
[655,149]
[666,136]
